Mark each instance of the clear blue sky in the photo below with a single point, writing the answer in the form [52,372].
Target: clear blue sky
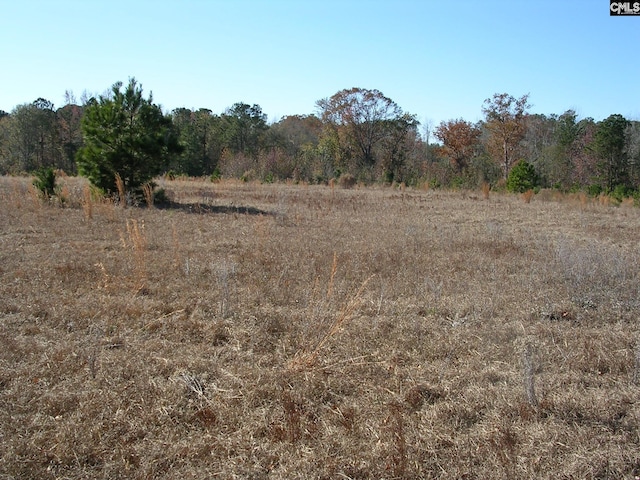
[437,59]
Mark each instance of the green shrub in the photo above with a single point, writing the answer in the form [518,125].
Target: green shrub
[620,192]
[160,197]
[522,177]
[594,190]
[216,176]
[457,182]
[268,178]
[45,182]
[320,179]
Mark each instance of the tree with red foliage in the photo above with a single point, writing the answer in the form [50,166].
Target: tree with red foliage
[460,141]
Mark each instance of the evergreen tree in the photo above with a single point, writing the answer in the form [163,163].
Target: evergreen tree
[244,127]
[609,146]
[522,177]
[126,135]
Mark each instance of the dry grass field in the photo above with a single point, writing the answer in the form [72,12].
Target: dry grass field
[290,331]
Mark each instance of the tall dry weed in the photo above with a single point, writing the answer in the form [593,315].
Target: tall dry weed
[528,370]
[176,247]
[628,202]
[636,366]
[106,281]
[35,196]
[486,188]
[604,200]
[14,198]
[147,190]
[583,198]
[16,193]
[305,359]
[332,277]
[87,202]
[64,194]
[122,194]
[225,275]
[395,422]
[135,242]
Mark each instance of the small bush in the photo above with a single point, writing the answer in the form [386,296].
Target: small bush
[216,176]
[319,179]
[594,190]
[522,177]
[45,182]
[620,192]
[457,182]
[486,188]
[268,178]
[160,197]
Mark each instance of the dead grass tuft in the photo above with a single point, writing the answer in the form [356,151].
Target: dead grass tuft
[486,189]
[87,202]
[308,358]
[134,242]
[122,193]
[147,191]
[527,196]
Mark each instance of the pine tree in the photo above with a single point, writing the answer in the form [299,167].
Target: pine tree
[125,135]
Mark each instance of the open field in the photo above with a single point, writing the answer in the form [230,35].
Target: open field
[281,331]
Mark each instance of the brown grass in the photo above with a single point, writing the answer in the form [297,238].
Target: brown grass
[289,331]
[527,196]
[147,191]
[486,189]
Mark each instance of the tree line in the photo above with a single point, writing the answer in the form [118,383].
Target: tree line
[357,132]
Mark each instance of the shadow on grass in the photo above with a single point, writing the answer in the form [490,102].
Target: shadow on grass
[202,208]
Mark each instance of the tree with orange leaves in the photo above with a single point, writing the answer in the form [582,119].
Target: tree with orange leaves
[459,141]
